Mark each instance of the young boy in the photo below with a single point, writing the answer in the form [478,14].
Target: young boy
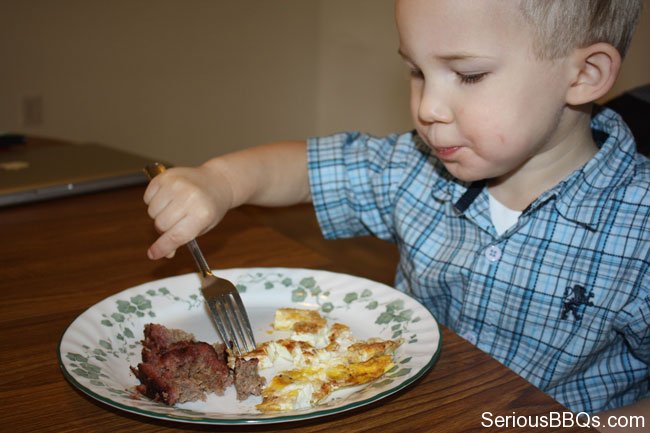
[522,222]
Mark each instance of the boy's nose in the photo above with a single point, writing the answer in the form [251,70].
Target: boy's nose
[433,108]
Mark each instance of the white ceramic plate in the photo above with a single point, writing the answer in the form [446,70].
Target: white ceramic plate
[98,347]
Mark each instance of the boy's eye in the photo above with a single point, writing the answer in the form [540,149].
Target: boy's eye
[471,78]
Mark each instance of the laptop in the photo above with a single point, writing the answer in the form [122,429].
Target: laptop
[31,173]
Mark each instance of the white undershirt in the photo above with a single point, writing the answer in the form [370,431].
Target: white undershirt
[502,217]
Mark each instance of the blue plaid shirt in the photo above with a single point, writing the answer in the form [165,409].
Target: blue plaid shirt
[562,297]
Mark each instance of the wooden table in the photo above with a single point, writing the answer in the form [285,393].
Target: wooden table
[60,257]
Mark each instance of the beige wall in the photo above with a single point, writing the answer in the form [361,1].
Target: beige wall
[174,79]
[183,80]
[363,83]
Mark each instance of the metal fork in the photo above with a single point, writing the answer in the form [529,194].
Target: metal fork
[226,307]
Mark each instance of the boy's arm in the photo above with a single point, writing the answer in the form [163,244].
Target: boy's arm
[269,175]
[186,202]
[634,418]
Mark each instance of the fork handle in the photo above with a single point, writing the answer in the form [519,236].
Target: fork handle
[153,170]
[199,258]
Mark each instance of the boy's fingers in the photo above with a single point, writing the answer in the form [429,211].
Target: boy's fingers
[151,191]
[169,217]
[161,248]
[169,241]
[152,254]
[158,205]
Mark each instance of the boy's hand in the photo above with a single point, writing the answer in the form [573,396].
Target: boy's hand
[185,203]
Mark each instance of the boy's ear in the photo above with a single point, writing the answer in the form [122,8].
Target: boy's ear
[593,72]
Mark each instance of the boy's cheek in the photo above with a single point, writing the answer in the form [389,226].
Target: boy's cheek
[484,126]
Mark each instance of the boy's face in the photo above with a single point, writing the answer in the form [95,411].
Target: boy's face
[479,97]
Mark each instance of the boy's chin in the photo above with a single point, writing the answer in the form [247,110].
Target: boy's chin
[464,175]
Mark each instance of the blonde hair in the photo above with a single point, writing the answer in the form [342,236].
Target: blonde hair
[560,26]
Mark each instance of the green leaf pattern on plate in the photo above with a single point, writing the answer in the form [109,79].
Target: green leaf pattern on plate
[87,365]
[307,288]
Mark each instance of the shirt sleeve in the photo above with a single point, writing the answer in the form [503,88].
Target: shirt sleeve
[354,179]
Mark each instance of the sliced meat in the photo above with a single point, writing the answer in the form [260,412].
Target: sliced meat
[247,379]
[176,369]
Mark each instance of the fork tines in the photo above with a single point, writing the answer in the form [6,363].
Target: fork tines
[232,322]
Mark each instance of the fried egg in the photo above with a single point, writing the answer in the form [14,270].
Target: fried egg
[305,388]
[322,359]
[305,325]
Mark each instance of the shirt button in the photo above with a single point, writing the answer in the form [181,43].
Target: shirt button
[493,253]
[470,336]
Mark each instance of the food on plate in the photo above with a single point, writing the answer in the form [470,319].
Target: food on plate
[298,320]
[247,379]
[175,368]
[304,367]
[307,387]
[325,359]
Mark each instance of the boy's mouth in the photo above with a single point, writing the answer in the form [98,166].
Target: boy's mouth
[446,152]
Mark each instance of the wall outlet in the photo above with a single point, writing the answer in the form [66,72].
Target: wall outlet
[33,110]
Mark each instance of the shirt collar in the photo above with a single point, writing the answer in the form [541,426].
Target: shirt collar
[580,196]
